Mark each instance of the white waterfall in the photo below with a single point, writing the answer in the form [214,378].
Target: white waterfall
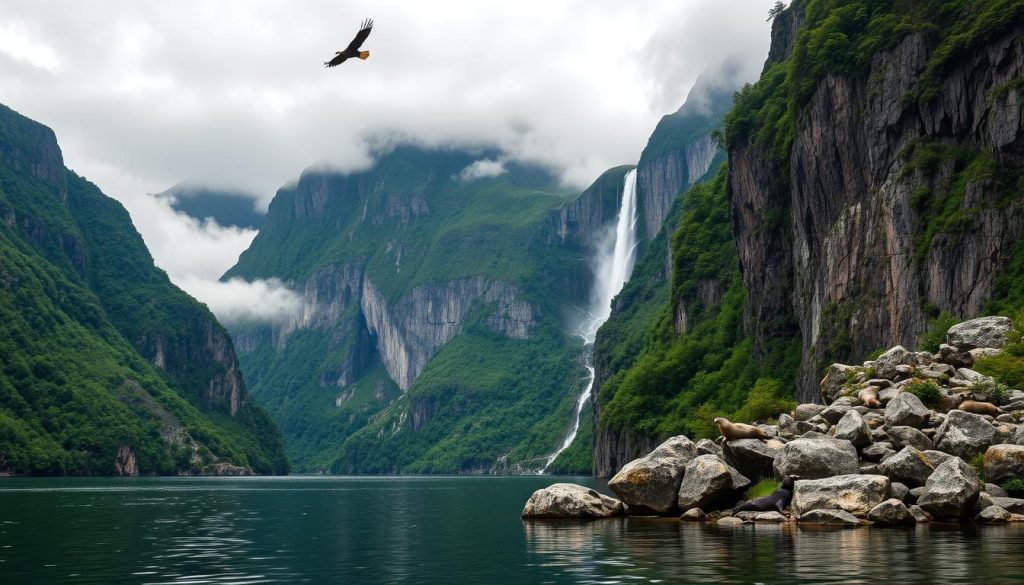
[612,264]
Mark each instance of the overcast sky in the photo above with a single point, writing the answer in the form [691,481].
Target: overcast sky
[144,94]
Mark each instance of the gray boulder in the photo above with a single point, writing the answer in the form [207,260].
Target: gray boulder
[954,357]
[898,490]
[981,332]
[1004,462]
[951,490]
[762,517]
[856,494]
[909,466]
[752,457]
[693,515]
[829,518]
[993,515]
[875,452]
[908,437]
[886,364]
[568,500]
[853,428]
[938,457]
[837,410]
[650,484]
[920,516]
[891,511]
[709,481]
[1013,505]
[816,458]
[906,410]
[964,434]
[807,411]
[995,491]
[973,377]
[730,521]
[709,447]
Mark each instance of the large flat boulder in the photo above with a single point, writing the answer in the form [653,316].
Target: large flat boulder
[708,482]
[752,457]
[909,466]
[980,332]
[829,518]
[856,494]
[816,458]
[951,491]
[650,484]
[568,500]
[1004,462]
[964,434]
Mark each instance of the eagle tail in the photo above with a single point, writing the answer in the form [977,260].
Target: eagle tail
[364,55]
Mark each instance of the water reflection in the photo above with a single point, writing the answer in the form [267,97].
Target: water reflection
[633,550]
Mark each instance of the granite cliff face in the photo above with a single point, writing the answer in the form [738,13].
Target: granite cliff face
[894,207]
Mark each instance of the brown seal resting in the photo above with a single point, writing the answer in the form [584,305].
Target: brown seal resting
[868,397]
[731,430]
[978,407]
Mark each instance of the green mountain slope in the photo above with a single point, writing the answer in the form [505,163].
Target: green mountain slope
[105,366]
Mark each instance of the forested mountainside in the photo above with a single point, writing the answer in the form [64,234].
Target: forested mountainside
[105,366]
[873,191]
[439,305]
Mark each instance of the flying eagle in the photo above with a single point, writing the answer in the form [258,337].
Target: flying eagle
[353,48]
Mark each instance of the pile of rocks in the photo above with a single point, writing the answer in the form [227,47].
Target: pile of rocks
[873,452]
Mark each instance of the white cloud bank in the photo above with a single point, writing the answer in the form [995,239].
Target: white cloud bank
[146,94]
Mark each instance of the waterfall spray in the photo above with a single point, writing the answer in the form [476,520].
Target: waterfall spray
[612,264]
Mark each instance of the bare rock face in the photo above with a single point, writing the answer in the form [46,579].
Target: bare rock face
[855,494]
[816,458]
[979,333]
[964,434]
[752,457]
[951,491]
[1003,463]
[709,481]
[568,500]
[853,428]
[126,463]
[834,384]
[650,484]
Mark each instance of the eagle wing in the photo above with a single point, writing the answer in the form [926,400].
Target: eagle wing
[364,31]
[337,60]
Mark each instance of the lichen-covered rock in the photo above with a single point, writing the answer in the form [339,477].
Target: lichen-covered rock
[964,434]
[1004,462]
[909,466]
[836,381]
[981,332]
[568,500]
[856,494]
[853,428]
[951,490]
[973,377]
[650,484]
[708,481]
[752,457]
[892,511]
[908,437]
[829,518]
[906,410]
[816,458]
[993,515]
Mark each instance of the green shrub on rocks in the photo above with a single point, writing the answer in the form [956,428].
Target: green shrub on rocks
[928,391]
[936,334]
[763,488]
[1007,368]
[1013,487]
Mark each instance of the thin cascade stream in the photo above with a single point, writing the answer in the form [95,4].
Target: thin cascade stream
[612,264]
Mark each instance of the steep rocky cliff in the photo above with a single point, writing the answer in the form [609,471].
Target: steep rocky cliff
[107,367]
[873,193]
[396,264]
[894,193]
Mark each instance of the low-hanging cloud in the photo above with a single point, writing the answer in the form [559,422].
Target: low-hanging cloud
[483,169]
[146,94]
[238,300]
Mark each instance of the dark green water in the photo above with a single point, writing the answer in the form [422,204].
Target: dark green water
[436,530]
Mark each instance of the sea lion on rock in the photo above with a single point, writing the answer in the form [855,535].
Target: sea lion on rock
[777,500]
[978,407]
[731,430]
[868,396]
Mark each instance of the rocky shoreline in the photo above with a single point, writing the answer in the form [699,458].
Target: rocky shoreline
[872,453]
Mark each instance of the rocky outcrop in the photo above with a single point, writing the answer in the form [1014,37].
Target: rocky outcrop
[951,490]
[834,251]
[650,485]
[568,500]
[707,481]
[856,494]
[816,458]
[1003,463]
[577,222]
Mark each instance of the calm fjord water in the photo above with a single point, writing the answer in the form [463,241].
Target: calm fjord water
[436,530]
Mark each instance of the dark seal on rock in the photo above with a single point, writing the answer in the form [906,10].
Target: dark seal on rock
[777,500]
